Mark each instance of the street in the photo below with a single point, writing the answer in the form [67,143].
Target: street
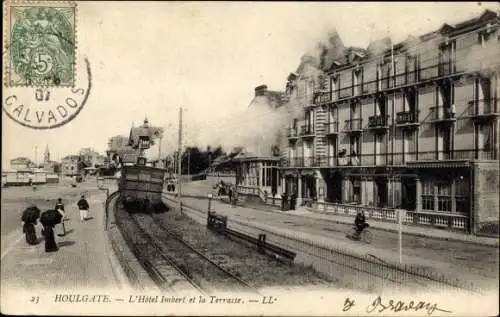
[479,262]
[16,199]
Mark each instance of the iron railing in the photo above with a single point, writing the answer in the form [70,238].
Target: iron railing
[435,70]
[382,159]
[482,107]
[353,124]
[441,113]
[292,133]
[332,127]
[378,121]
[405,117]
[307,130]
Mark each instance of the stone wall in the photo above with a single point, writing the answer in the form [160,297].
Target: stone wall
[486,197]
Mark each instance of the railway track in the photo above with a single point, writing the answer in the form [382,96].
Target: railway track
[161,266]
[203,271]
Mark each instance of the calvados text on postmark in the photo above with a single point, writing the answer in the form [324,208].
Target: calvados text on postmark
[46,81]
[40,44]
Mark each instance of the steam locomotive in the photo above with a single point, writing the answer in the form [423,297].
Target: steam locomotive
[141,187]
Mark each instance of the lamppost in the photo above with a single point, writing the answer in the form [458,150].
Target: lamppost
[209,196]
[101,185]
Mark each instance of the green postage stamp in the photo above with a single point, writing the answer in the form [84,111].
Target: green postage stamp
[40,44]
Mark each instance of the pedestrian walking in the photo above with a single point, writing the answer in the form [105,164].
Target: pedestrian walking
[60,208]
[49,219]
[83,206]
[29,218]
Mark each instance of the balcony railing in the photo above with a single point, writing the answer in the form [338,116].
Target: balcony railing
[407,117]
[389,159]
[483,107]
[332,127]
[441,113]
[308,161]
[453,221]
[292,133]
[480,154]
[353,125]
[307,130]
[322,98]
[377,121]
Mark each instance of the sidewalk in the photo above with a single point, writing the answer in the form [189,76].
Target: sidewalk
[418,231]
[84,259]
[422,231]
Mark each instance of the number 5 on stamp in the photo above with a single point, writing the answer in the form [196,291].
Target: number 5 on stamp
[41,44]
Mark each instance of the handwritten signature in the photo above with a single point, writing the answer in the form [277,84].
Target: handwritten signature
[396,306]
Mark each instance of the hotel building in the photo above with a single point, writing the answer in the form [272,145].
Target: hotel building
[411,125]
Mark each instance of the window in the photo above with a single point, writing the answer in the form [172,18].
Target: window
[428,195]
[357,81]
[444,197]
[486,141]
[334,86]
[380,103]
[462,196]
[379,77]
[356,191]
[410,101]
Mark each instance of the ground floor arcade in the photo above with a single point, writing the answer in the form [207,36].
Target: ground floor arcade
[449,194]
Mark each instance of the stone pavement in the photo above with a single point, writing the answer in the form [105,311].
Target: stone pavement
[84,259]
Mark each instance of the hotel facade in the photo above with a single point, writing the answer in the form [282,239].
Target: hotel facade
[411,125]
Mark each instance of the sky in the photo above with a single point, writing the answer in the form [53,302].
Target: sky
[150,58]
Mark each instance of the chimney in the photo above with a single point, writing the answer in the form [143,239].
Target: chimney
[260,90]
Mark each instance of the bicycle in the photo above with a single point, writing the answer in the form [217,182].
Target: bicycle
[365,236]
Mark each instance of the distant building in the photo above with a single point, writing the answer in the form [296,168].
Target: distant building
[22,164]
[69,165]
[47,165]
[91,158]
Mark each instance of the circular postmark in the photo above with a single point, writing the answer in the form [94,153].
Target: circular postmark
[48,107]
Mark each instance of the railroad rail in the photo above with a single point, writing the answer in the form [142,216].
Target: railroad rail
[207,272]
[160,266]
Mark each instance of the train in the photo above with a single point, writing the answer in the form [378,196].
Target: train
[141,188]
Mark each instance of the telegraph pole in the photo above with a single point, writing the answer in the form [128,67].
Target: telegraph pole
[179,160]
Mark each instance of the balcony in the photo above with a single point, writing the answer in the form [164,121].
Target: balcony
[353,126]
[307,131]
[378,122]
[301,161]
[442,115]
[454,155]
[322,98]
[483,110]
[292,133]
[407,119]
[331,128]
[325,161]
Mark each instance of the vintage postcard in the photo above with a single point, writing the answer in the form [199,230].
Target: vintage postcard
[250,158]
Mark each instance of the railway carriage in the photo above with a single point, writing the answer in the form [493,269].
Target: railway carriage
[141,188]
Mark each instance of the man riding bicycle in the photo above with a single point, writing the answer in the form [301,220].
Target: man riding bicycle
[360,224]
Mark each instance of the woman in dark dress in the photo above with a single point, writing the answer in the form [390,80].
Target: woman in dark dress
[29,231]
[50,241]
[29,218]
